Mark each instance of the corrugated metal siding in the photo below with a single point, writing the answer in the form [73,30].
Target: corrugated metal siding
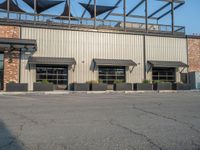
[166,49]
[84,46]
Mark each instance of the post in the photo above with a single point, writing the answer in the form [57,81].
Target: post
[95,13]
[8,9]
[35,9]
[144,57]
[146,15]
[172,16]
[124,15]
[69,15]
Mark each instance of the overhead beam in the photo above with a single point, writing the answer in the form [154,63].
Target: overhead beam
[157,11]
[133,16]
[138,5]
[168,12]
[119,1]
[85,9]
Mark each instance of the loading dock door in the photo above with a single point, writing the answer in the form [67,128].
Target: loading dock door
[58,75]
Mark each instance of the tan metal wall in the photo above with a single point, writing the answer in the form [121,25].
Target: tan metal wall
[166,49]
[83,46]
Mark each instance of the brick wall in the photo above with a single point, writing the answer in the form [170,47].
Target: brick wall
[11,67]
[11,59]
[9,32]
[194,54]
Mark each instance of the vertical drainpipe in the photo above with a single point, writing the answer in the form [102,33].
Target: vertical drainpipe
[146,15]
[95,13]
[20,56]
[144,56]
[187,53]
[69,6]
[124,7]
[172,16]
[8,8]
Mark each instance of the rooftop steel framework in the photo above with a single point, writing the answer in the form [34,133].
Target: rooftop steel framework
[67,19]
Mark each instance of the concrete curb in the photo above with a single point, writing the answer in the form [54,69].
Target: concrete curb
[92,92]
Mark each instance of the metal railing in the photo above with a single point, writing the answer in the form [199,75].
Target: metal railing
[77,22]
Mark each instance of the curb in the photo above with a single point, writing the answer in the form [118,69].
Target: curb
[93,92]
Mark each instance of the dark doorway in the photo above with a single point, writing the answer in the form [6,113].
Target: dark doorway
[1,70]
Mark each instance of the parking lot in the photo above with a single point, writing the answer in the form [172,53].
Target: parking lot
[148,121]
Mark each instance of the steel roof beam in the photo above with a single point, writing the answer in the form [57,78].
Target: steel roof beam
[138,5]
[179,5]
[157,11]
[119,1]
[85,9]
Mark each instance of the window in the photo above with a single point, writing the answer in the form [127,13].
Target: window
[163,74]
[54,74]
[110,74]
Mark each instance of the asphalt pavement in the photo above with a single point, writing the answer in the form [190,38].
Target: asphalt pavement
[112,121]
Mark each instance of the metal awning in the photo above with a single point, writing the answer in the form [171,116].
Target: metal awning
[51,61]
[174,64]
[114,62]
[9,43]
[42,5]
[99,9]
[65,13]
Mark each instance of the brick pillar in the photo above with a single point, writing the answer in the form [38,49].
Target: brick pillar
[11,59]
[194,54]
[11,67]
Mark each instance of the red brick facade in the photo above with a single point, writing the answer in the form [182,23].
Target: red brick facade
[9,32]
[11,66]
[194,54]
[11,59]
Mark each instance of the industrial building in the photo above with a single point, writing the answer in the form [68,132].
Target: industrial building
[100,44]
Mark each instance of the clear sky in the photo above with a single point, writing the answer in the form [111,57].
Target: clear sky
[187,15]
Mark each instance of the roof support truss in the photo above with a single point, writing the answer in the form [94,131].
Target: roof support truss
[157,11]
[176,7]
[119,1]
[89,2]
[138,5]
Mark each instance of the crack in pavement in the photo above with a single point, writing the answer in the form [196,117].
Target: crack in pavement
[26,118]
[148,139]
[169,118]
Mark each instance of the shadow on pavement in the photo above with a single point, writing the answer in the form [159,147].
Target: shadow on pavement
[7,140]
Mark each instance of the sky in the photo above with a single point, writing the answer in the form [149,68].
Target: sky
[187,15]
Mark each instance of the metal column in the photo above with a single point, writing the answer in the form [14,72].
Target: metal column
[8,8]
[124,15]
[146,15]
[95,13]
[172,15]
[69,6]
[35,9]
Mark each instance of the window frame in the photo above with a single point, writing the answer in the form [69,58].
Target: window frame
[55,73]
[105,74]
[165,74]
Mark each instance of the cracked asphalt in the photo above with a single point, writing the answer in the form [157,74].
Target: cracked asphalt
[148,121]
